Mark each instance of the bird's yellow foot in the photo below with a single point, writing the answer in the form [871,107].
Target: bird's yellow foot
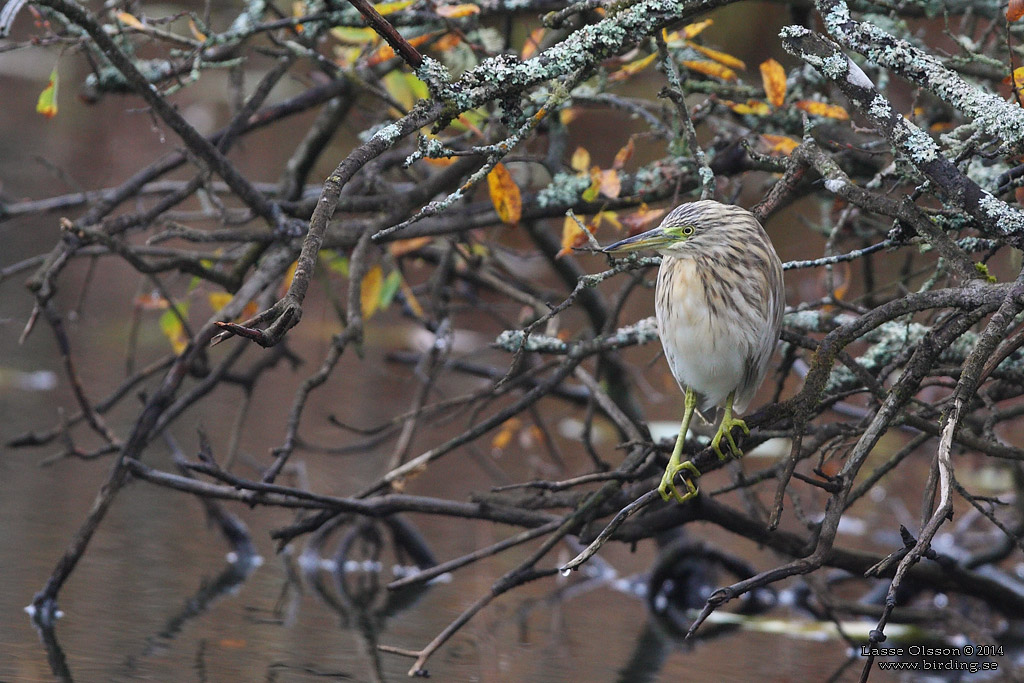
[725,429]
[668,489]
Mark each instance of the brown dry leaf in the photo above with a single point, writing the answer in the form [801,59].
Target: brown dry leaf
[611,185]
[691,30]
[400,248]
[832,111]
[721,57]
[780,143]
[369,292]
[624,155]
[773,77]
[580,161]
[457,11]
[130,21]
[709,68]
[505,195]
[755,107]
[1015,10]
[633,67]
[151,302]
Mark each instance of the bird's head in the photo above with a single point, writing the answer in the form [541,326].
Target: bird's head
[682,229]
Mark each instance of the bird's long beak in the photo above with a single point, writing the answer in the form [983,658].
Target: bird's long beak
[652,239]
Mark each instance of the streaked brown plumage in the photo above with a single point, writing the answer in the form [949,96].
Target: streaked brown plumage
[719,303]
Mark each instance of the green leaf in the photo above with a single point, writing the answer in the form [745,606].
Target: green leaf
[391,284]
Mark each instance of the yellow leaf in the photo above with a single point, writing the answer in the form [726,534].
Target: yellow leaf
[580,160]
[713,69]
[505,194]
[606,217]
[47,102]
[691,30]
[505,433]
[568,115]
[773,77]
[780,143]
[1015,10]
[532,43]
[172,327]
[130,21]
[354,36]
[199,35]
[720,57]
[457,11]
[298,10]
[755,107]
[624,154]
[832,111]
[386,8]
[611,186]
[633,67]
[590,194]
[219,300]
[289,275]
[369,292]
[572,237]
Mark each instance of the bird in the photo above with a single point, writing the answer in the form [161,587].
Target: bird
[719,301]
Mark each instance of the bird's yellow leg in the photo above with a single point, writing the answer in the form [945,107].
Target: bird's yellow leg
[667,488]
[725,429]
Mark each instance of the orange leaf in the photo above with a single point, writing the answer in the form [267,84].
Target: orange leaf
[505,194]
[386,52]
[611,185]
[199,35]
[1015,10]
[780,143]
[720,57]
[369,292]
[457,11]
[400,248]
[624,154]
[572,236]
[642,219]
[532,43]
[773,77]
[130,21]
[446,42]
[755,107]
[505,433]
[832,111]
[580,161]
[713,69]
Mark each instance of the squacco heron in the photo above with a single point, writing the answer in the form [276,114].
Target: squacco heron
[719,303]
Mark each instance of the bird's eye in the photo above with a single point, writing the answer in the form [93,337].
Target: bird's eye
[687,230]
